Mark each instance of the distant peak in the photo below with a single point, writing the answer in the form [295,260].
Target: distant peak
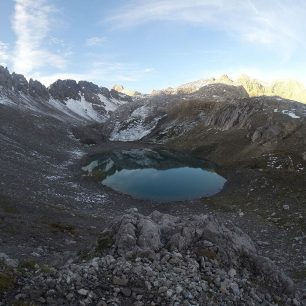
[287,89]
[129,92]
[118,87]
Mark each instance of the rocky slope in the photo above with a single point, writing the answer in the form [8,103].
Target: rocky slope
[286,89]
[209,119]
[50,214]
[158,260]
[63,100]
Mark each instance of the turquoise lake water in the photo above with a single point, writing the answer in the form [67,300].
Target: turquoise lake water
[157,176]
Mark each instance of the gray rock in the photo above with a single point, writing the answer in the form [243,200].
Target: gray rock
[126,291]
[232,273]
[36,89]
[65,89]
[83,292]
[20,83]
[120,281]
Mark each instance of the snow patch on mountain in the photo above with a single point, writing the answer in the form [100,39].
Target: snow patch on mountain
[111,104]
[5,101]
[83,109]
[137,126]
[290,114]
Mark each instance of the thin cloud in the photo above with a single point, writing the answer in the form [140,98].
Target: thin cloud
[102,73]
[32,24]
[4,53]
[95,41]
[274,22]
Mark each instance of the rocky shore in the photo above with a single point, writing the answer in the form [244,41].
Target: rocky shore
[155,260]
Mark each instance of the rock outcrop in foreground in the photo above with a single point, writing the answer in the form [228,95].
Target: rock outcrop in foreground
[161,260]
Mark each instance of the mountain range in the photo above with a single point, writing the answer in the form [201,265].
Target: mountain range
[287,89]
[53,213]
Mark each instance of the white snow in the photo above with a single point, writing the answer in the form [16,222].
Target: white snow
[68,110]
[83,109]
[5,101]
[136,127]
[142,112]
[110,105]
[290,114]
[109,165]
[89,168]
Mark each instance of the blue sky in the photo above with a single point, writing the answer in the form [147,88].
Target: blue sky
[147,44]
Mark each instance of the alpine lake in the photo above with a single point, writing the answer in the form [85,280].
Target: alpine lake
[156,175]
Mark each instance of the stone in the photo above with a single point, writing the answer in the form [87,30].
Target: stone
[235,288]
[83,292]
[120,281]
[162,289]
[126,291]
[178,289]
[295,302]
[232,273]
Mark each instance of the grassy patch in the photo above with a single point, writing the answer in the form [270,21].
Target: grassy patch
[7,282]
[103,244]
[301,274]
[7,206]
[63,228]
[27,265]
[85,254]
[45,269]
[98,175]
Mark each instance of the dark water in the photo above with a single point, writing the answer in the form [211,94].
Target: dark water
[156,175]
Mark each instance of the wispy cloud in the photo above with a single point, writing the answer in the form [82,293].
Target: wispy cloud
[274,22]
[32,25]
[95,41]
[4,53]
[103,73]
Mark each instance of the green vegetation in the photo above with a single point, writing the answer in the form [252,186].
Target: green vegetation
[63,228]
[98,174]
[7,206]
[27,265]
[103,244]
[7,282]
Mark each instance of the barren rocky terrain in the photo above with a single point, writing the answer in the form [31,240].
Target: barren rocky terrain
[66,239]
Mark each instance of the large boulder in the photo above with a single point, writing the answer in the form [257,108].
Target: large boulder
[135,235]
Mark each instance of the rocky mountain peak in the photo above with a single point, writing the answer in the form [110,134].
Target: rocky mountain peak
[225,79]
[18,83]
[65,89]
[36,89]
[287,89]
[118,87]
[5,78]
[129,92]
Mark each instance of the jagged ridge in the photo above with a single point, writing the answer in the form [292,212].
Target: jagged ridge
[77,100]
[287,89]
